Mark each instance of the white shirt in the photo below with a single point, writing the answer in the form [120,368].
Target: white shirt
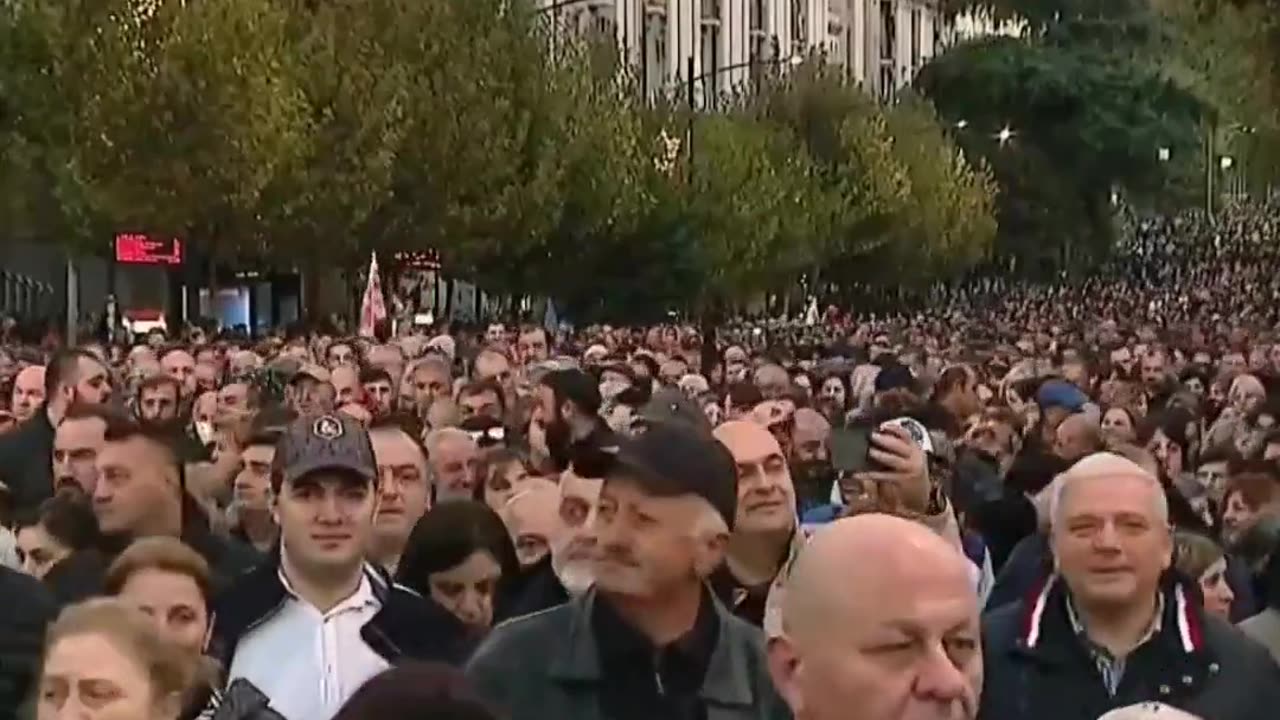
[309,662]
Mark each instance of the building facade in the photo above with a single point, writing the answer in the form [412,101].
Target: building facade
[880,43]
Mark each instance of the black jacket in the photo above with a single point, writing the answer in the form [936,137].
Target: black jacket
[548,666]
[1036,666]
[408,627]
[79,576]
[536,590]
[26,461]
[28,609]
[228,558]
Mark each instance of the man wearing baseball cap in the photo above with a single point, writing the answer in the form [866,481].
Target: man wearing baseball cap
[649,640]
[316,621]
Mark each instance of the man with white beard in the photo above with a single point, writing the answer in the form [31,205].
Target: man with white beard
[567,571]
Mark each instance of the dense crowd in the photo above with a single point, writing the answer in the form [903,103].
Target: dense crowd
[1014,501]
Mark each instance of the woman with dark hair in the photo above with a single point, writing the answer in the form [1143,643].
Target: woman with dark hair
[58,547]
[1164,435]
[460,555]
[416,691]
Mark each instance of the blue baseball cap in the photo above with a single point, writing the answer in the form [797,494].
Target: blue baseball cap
[1061,394]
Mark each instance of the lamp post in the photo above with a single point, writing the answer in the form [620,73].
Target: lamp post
[693,81]
[559,5]
[1212,163]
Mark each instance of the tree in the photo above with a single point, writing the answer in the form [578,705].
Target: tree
[1087,108]
[161,117]
[948,222]
[1223,48]
[883,208]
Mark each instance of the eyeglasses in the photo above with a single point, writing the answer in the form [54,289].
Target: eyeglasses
[491,436]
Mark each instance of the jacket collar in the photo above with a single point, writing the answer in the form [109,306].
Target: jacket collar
[257,595]
[1047,614]
[728,679]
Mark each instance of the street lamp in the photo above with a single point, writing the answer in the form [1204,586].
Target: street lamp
[1164,154]
[1005,135]
[560,4]
[1226,162]
[793,60]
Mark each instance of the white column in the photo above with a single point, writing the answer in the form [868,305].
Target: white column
[735,28]
[629,15]
[858,40]
[817,32]
[902,72]
[683,21]
[779,25]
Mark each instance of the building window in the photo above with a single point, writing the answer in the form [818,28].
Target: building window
[799,27]
[917,22]
[757,15]
[655,51]
[888,84]
[888,30]
[602,22]
[710,48]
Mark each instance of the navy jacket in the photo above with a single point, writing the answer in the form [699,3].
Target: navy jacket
[1036,666]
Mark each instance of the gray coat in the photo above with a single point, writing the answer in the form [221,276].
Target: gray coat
[1265,628]
[545,666]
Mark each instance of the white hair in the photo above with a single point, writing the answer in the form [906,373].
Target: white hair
[432,363]
[1105,464]
[440,435]
[1149,711]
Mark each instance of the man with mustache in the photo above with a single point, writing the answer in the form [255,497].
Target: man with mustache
[72,377]
[568,408]
[649,640]
[567,570]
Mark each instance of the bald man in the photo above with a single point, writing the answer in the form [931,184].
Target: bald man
[810,462]
[28,392]
[879,622]
[531,518]
[765,531]
[1079,435]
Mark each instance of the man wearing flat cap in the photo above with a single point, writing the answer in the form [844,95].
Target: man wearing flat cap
[316,621]
[649,640]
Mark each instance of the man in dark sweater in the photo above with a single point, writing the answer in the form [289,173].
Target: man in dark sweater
[28,609]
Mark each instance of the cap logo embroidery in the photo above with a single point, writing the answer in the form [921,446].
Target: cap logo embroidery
[327,427]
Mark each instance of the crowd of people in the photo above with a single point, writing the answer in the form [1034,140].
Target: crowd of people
[1016,501]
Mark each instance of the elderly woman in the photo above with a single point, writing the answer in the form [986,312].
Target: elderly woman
[106,656]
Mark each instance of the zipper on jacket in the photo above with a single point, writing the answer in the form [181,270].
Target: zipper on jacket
[657,674]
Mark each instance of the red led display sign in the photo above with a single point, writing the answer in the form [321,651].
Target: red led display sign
[140,249]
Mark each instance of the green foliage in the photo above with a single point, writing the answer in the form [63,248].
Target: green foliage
[1089,105]
[883,208]
[306,134]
